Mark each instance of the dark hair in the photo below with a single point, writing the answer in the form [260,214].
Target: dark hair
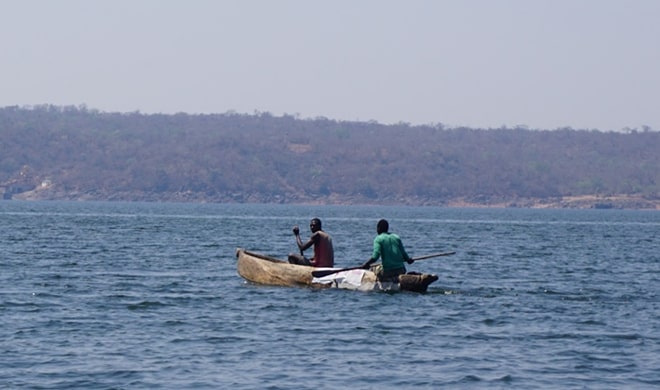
[318,222]
[383,226]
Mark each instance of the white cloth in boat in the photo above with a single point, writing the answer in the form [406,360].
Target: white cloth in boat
[351,279]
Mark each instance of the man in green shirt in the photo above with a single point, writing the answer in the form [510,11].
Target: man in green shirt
[389,247]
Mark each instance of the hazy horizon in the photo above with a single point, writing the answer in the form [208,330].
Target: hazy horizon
[476,63]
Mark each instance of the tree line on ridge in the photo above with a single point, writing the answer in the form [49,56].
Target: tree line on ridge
[52,152]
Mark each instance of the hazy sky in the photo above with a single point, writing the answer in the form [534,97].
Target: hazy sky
[479,63]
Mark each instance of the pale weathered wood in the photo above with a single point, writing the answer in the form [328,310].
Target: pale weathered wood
[262,269]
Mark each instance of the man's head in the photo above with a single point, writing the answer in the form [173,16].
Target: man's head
[315,225]
[383,226]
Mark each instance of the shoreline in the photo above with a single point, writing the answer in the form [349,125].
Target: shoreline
[629,202]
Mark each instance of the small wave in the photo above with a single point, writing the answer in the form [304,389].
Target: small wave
[146,305]
[470,379]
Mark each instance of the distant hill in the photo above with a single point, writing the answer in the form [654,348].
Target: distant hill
[51,152]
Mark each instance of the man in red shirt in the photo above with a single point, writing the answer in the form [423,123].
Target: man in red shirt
[324,254]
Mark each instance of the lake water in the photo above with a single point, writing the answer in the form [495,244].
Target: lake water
[138,295]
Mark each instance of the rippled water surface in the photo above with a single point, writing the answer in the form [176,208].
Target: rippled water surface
[135,295]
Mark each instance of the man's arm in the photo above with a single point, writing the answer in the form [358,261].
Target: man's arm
[304,246]
[368,263]
[296,233]
[375,256]
[405,255]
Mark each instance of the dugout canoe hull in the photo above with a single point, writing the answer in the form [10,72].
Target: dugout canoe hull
[262,269]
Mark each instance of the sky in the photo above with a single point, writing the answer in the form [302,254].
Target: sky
[543,64]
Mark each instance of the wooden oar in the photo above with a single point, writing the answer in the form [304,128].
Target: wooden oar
[326,272]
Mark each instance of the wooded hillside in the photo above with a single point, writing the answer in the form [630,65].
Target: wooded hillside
[49,152]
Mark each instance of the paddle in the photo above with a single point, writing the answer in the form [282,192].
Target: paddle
[326,272]
[296,232]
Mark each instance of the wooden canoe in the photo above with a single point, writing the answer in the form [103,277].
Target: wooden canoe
[262,269]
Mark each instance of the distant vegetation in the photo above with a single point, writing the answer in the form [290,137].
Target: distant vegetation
[49,152]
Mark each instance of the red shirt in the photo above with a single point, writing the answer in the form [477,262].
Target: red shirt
[324,254]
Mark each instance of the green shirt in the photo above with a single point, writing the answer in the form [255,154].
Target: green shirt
[390,248]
